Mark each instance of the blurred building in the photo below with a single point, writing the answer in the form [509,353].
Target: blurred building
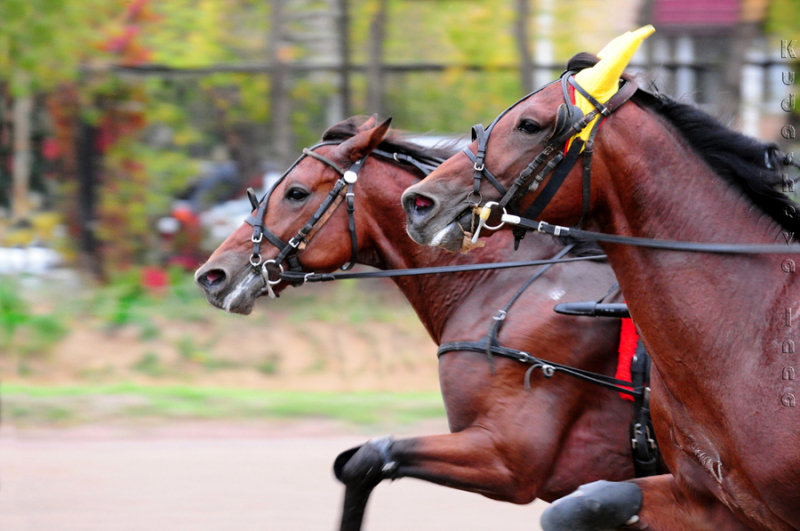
[715,53]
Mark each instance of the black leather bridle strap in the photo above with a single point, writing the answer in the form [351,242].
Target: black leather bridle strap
[555,181]
[350,178]
[425,164]
[481,135]
[483,171]
[327,207]
[322,158]
[625,92]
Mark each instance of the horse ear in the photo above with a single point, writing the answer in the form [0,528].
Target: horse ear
[369,123]
[362,144]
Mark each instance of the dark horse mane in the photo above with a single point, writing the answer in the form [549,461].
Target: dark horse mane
[752,166]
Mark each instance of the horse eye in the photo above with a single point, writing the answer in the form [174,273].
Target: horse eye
[297,194]
[529,127]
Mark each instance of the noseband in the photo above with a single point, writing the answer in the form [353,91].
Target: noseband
[554,158]
[342,191]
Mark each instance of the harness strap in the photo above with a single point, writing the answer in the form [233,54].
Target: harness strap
[548,367]
[500,316]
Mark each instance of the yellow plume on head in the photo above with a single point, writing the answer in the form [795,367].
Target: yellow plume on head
[602,80]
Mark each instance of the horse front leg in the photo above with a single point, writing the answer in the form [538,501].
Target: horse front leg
[469,460]
[361,469]
[652,503]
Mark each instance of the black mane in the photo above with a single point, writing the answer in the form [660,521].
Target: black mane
[752,166]
[395,142]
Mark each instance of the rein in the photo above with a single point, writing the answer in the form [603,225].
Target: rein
[653,243]
[294,276]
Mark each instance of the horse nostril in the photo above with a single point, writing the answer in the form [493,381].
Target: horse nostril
[422,203]
[417,204]
[211,278]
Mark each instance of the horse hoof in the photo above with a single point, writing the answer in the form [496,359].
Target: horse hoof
[366,465]
[595,506]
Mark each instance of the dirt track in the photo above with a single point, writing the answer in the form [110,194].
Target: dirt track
[214,477]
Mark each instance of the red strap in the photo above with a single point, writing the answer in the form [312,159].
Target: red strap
[628,337]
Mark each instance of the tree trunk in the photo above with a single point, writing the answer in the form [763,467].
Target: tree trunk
[344,55]
[280,102]
[21,172]
[523,36]
[377,35]
[86,156]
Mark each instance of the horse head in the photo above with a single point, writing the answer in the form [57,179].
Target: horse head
[528,153]
[306,222]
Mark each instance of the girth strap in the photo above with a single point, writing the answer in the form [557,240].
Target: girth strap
[643,438]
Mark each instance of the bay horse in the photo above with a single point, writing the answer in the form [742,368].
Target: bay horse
[506,442]
[721,327]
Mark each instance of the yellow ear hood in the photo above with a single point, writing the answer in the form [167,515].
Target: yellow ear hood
[602,80]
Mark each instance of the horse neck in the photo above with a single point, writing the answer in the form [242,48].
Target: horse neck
[435,298]
[667,191]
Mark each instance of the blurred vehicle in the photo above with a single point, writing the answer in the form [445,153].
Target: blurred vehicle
[220,220]
[205,213]
[33,260]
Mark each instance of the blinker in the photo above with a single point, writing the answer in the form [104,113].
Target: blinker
[251,195]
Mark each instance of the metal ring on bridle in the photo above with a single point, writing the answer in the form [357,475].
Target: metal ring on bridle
[265,272]
[471,196]
[255,259]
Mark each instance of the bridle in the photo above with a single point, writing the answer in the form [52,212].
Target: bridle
[556,157]
[343,191]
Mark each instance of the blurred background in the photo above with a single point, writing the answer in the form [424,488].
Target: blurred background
[130,129]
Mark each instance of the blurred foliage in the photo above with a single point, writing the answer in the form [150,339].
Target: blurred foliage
[49,39]
[783,20]
[23,331]
[157,129]
[31,405]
